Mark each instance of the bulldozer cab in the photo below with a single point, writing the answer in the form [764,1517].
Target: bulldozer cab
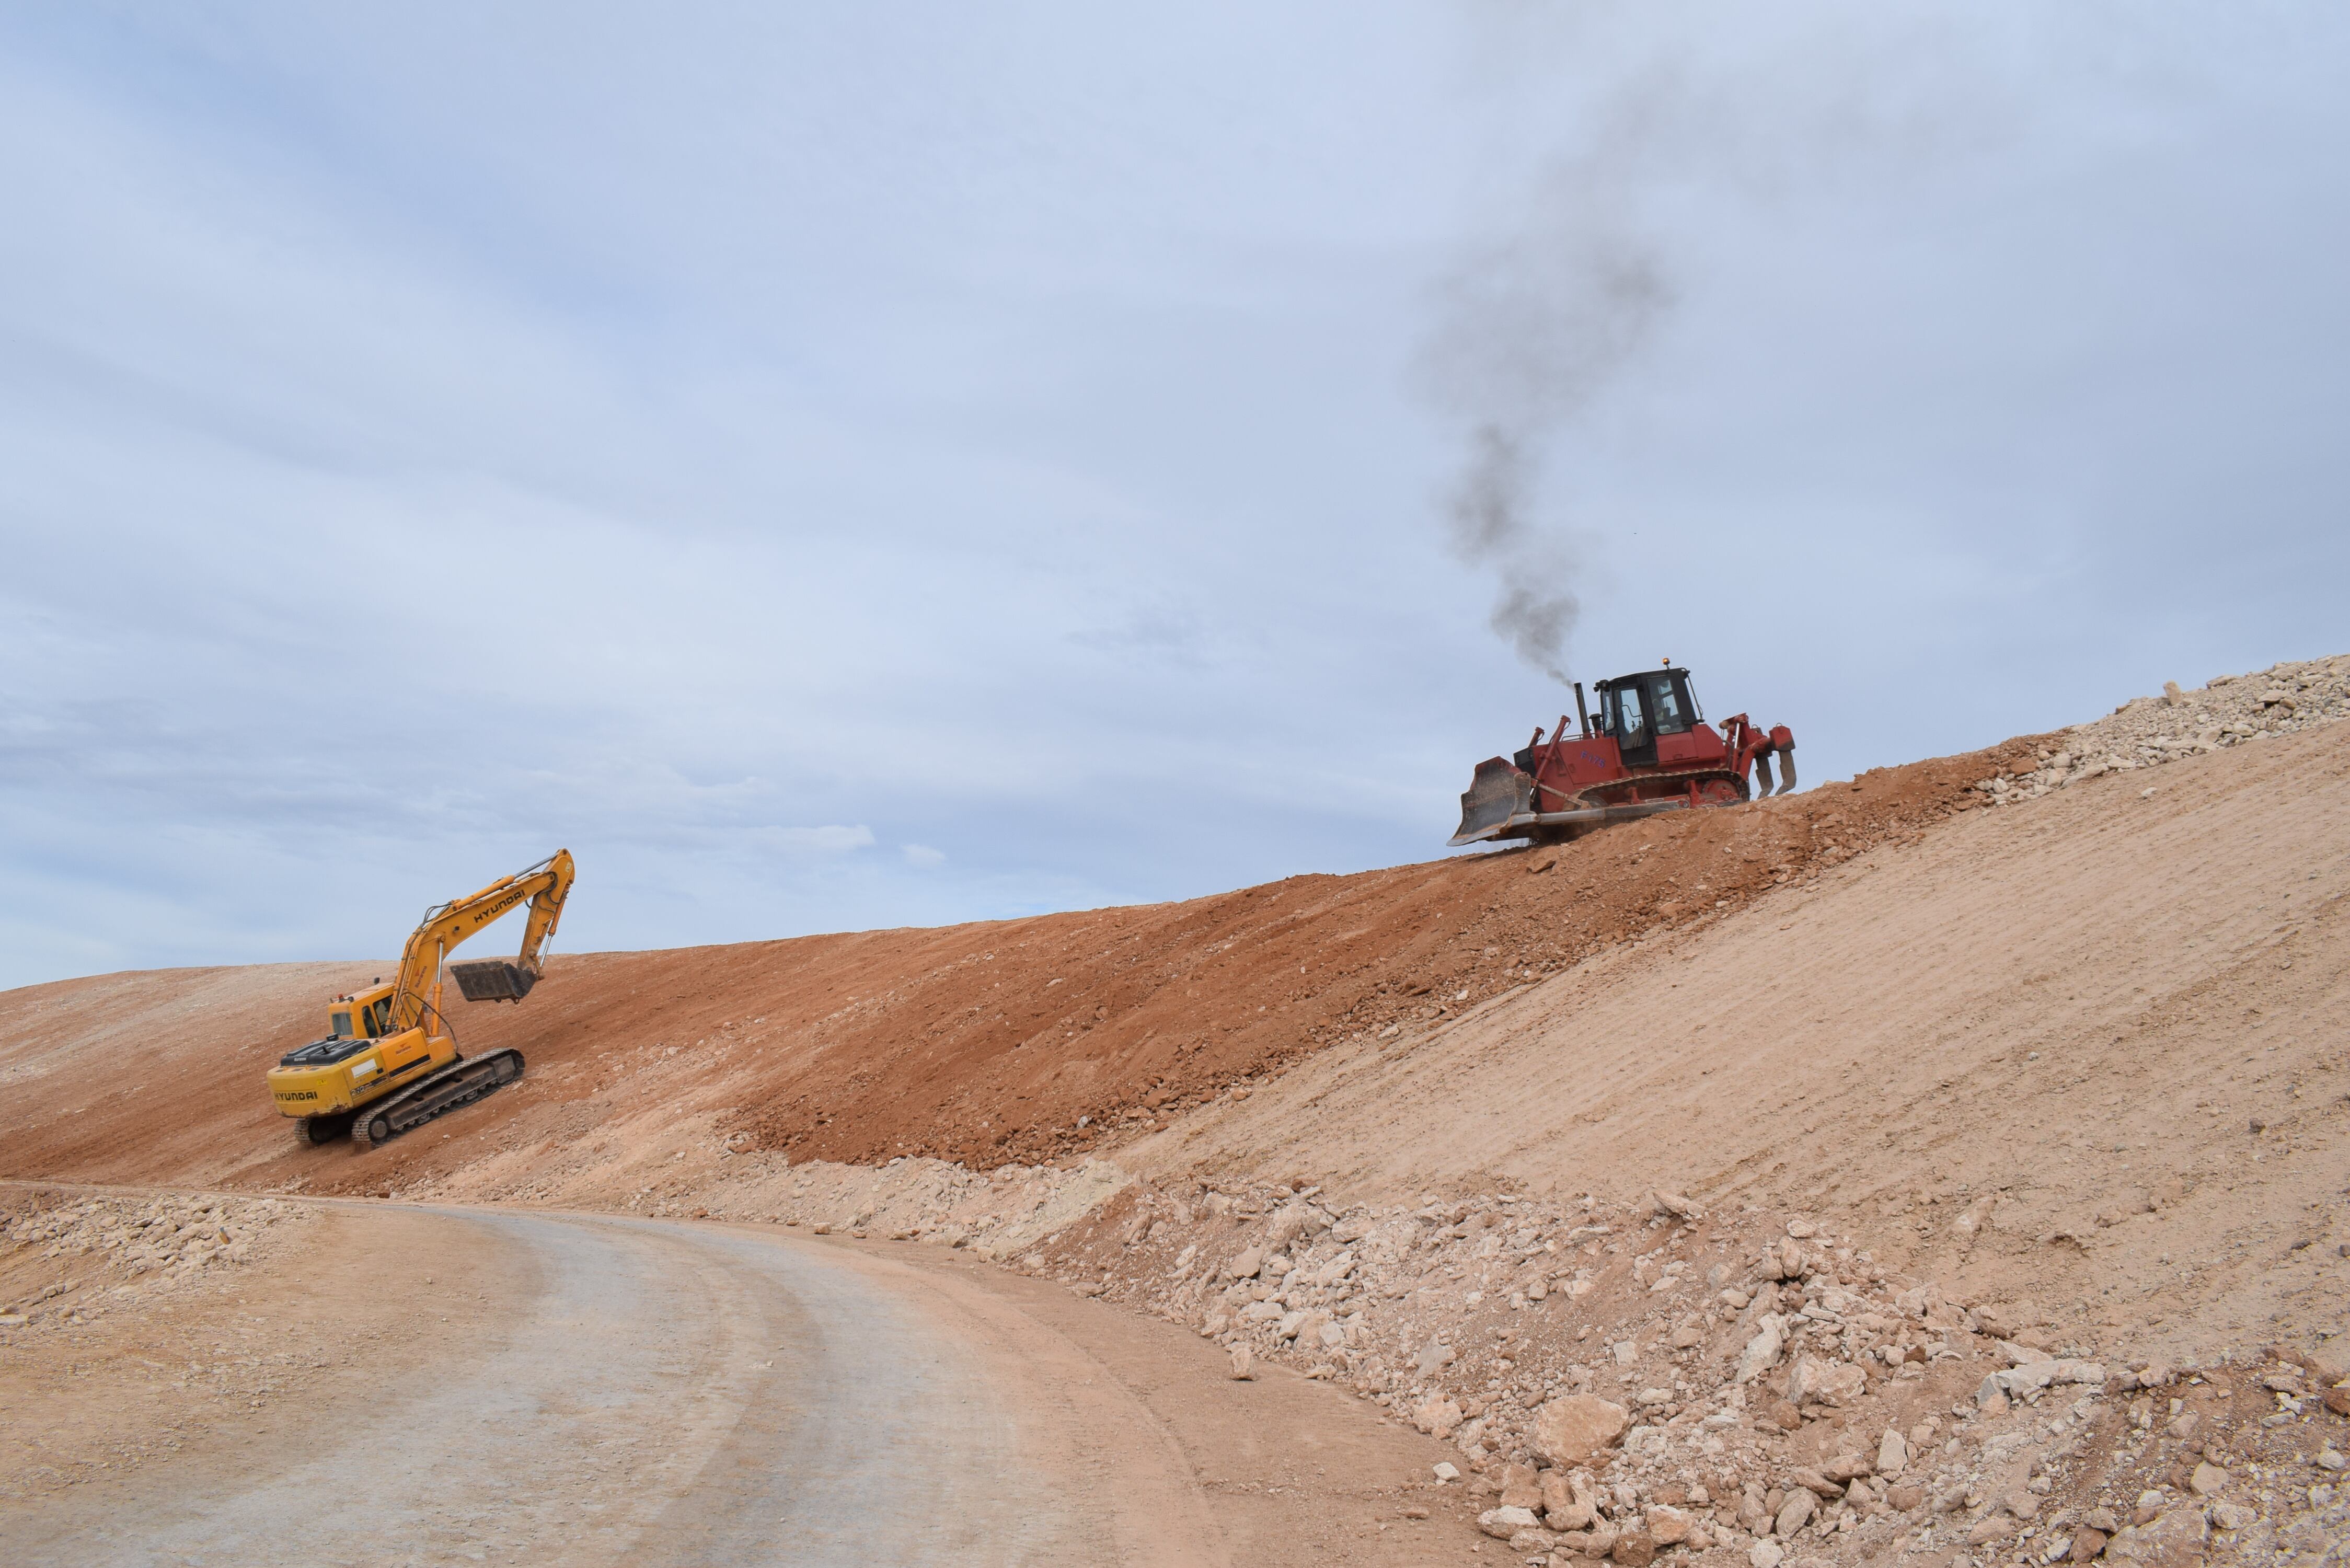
[1637,708]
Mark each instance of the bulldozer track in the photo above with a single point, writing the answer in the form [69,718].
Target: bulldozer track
[1598,794]
[459,1084]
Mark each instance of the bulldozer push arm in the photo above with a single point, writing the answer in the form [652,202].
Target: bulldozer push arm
[390,1060]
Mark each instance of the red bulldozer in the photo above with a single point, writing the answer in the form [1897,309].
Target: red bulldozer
[1649,750]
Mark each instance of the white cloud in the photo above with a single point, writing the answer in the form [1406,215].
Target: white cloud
[831,839]
[922,856]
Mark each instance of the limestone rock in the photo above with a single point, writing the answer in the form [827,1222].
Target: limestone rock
[1573,1429]
[1501,1523]
[1668,1526]
[1438,1417]
[1244,1365]
[1633,1549]
[1765,1554]
[1521,1488]
[1814,1483]
[1847,1467]
[2174,1541]
[1817,1380]
[1674,1204]
[1993,1527]
[2208,1481]
[2087,1544]
[1761,1352]
[1794,1513]
[1289,1222]
[1892,1453]
[1560,1512]
[2018,1381]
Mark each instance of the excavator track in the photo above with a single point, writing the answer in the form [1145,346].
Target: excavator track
[459,1084]
[311,1131]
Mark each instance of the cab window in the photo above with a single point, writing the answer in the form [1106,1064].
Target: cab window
[379,1018]
[1631,724]
[338,1024]
[1671,713]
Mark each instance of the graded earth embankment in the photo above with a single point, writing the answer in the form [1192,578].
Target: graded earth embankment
[1016,1040]
[1949,1160]
[2084,1032]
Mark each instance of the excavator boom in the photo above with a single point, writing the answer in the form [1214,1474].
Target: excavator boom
[417,992]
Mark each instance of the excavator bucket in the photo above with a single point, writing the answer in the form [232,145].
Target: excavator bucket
[1498,792]
[492,980]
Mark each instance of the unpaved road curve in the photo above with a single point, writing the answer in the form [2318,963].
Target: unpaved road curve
[659,1394]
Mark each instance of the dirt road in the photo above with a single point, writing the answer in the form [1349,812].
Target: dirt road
[602,1389]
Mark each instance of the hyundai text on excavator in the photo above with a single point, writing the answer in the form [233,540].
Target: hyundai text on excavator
[1649,750]
[390,1061]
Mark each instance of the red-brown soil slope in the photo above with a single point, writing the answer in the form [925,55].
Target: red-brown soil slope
[982,1043]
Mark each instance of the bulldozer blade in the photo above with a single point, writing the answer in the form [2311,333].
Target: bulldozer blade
[492,980]
[1786,769]
[1498,792]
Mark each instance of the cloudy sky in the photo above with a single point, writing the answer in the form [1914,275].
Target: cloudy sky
[845,466]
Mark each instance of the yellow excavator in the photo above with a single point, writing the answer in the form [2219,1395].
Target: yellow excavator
[390,1061]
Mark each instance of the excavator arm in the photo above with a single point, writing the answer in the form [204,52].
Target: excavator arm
[416,994]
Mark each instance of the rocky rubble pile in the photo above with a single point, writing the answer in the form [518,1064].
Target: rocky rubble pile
[2148,731]
[1622,1386]
[114,1249]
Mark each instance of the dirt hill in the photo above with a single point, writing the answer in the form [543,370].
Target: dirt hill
[1949,1161]
[982,1044]
[1996,1016]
